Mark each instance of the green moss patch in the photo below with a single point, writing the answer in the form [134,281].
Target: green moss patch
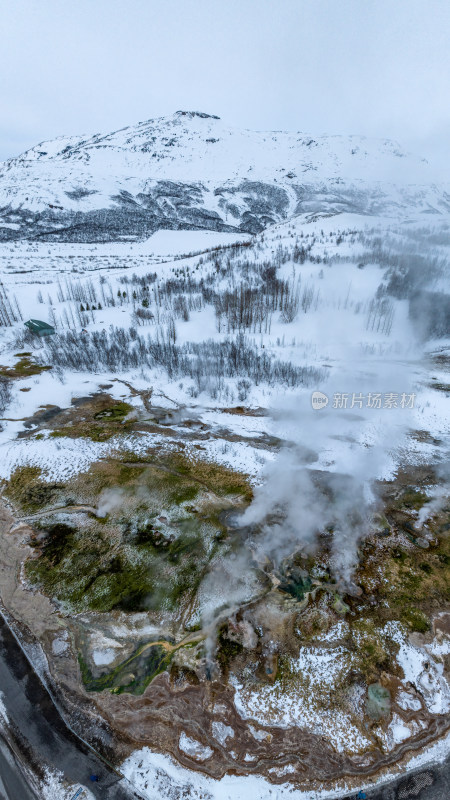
[90,569]
[27,489]
[98,419]
[184,469]
[25,367]
[412,498]
[184,494]
[372,652]
[408,583]
[135,558]
[116,412]
[417,582]
[133,675]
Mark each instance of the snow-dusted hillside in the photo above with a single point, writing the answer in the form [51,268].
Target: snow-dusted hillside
[191,171]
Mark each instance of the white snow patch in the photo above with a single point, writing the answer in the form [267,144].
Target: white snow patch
[399,730]
[193,748]
[421,671]
[55,787]
[439,648]
[260,735]
[59,646]
[408,702]
[156,775]
[298,703]
[103,657]
[222,732]
[171,243]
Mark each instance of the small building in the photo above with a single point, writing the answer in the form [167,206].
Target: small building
[40,328]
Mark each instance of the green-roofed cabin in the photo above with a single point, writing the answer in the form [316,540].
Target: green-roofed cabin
[40,328]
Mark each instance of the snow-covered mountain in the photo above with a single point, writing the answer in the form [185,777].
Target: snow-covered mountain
[191,171]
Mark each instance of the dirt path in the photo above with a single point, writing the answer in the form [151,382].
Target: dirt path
[72,509]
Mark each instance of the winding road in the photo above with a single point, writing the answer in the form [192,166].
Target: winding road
[37,736]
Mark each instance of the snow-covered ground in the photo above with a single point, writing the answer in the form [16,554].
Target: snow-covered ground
[387,403]
[342,331]
[156,775]
[317,672]
[335,335]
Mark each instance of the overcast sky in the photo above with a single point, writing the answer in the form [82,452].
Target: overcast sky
[374,67]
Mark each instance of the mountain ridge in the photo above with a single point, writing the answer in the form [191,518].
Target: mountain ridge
[191,171]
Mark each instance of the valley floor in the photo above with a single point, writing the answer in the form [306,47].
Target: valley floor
[226,588]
